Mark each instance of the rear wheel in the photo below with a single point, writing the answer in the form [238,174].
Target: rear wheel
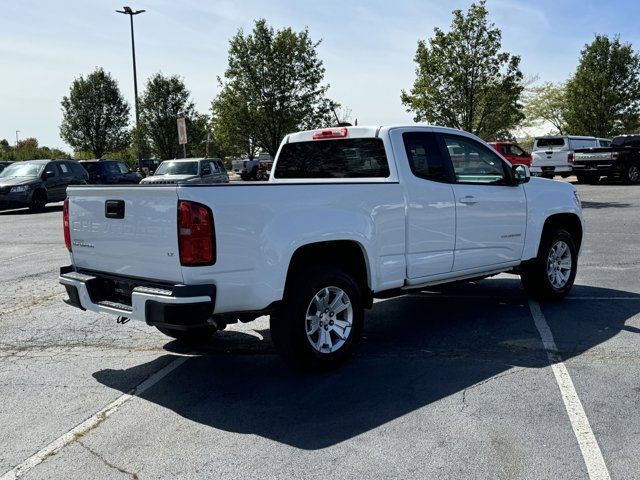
[551,274]
[631,174]
[320,321]
[38,201]
[189,336]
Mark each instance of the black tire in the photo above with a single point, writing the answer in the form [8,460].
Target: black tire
[631,174]
[534,276]
[289,324]
[189,336]
[588,179]
[38,201]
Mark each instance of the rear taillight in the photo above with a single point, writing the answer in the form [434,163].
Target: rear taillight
[195,234]
[570,157]
[65,224]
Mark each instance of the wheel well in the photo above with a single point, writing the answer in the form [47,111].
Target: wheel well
[568,221]
[347,254]
[40,191]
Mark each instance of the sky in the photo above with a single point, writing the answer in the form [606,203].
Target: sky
[367,47]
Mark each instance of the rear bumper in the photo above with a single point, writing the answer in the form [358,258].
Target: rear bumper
[550,169]
[594,168]
[180,307]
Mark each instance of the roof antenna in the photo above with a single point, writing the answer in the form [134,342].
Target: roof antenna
[335,115]
[338,122]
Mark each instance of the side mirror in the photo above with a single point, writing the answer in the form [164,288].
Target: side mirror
[48,174]
[521,174]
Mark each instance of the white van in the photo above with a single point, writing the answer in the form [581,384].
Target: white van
[554,155]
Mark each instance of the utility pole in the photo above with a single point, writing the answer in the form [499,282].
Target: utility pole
[131,13]
[17,132]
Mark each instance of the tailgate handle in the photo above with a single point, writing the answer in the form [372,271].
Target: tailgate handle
[114,209]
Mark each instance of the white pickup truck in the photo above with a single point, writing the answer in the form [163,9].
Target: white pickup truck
[348,214]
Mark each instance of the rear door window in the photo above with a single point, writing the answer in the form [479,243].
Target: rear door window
[424,155]
[348,158]
[205,168]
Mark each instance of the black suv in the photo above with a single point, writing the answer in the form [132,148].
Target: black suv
[109,171]
[34,183]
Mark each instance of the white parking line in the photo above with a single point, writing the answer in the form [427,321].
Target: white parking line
[90,423]
[591,453]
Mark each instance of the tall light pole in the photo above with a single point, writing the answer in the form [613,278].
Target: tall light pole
[131,13]
[17,132]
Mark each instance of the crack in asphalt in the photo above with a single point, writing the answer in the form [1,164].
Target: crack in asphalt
[100,457]
[34,303]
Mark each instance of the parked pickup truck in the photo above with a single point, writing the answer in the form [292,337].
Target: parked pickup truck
[619,161]
[348,215]
[555,155]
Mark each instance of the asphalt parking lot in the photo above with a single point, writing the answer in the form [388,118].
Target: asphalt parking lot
[450,383]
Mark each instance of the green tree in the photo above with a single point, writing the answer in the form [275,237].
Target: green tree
[547,103]
[274,83]
[165,99]
[603,96]
[464,80]
[95,115]
[231,123]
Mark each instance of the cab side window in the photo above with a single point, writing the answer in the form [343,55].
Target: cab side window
[205,168]
[123,168]
[473,162]
[425,158]
[51,167]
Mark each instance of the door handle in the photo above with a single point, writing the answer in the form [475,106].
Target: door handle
[468,200]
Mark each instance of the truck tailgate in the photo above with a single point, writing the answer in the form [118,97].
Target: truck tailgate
[129,231]
[543,158]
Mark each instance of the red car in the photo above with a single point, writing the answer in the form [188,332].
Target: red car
[513,153]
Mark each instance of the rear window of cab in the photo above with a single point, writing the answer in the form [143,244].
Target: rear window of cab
[344,158]
[549,143]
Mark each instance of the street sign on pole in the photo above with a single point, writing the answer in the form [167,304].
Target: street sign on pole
[182,136]
[182,131]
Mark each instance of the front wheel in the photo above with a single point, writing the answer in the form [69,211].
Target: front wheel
[38,201]
[320,321]
[551,274]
